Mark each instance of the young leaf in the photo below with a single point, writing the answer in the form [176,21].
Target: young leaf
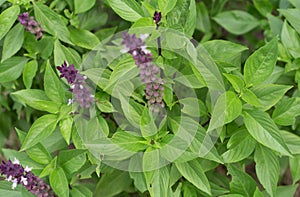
[39,154]
[65,127]
[262,128]
[286,111]
[260,65]
[12,68]
[83,6]
[193,172]
[13,42]
[29,72]
[240,146]
[158,182]
[112,184]
[227,108]
[53,87]
[292,141]
[166,6]
[236,22]
[81,191]
[51,22]
[292,15]
[59,182]
[249,97]
[129,141]
[267,168]
[40,130]
[236,82]
[7,19]
[71,160]
[84,38]
[36,99]
[241,183]
[190,24]
[225,51]
[62,53]
[126,9]
[147,124]
[290,40]
[263,6]
[269,94]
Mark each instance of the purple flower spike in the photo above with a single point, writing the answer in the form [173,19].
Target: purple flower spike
[148,72]
[17,174]
[78,84]
[31,25]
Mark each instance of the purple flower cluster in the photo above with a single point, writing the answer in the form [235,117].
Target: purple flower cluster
[16,174]
[31,25]
[148,72]
[78,84]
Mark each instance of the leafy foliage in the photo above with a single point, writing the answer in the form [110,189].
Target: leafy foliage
[228,122]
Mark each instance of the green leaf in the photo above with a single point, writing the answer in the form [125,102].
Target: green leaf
[292,141]
[263,6]
[269,94]
[36,99]
[129,141]
[262,128]
[290,40]
[84,38]
[126,9]
[260,65]
[249,97]
[225,51]
[295,3]
[40,130]
[53,87]
[112,184]
[191,17]
[292,15]
[193,172]
[62,53]
[295,168]
[267,168]
[240,146]
[7,19]
[29,72]
[227,108]
[158,182]
[39,154]
[147,124]
[166,6]
[241,183]
[236,82]
[13,42]
[286,111]
[236,22]
[82,6]
[51,22]
[59,182]
[65,127]
[203,21]
[71,160]
[11,69]
[81,191]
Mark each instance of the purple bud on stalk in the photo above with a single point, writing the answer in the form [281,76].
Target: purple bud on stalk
[78,84]
[31,25]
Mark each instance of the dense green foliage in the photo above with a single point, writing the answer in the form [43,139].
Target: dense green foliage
[230,125]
